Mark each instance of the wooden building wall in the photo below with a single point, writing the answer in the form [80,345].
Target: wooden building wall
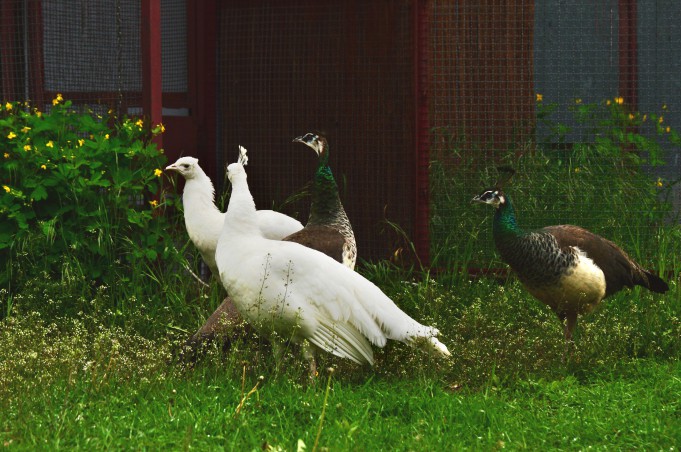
[344,68]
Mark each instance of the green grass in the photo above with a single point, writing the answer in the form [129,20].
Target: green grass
[92,364]
[89,334]
[636,405]
[94,380]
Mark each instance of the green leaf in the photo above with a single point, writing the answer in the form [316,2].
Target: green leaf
[39,193]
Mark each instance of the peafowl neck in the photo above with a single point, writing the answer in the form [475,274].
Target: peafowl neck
[326,207]
[198,199]
[505,225]
[240,218]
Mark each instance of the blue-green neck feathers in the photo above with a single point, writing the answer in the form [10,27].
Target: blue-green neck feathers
[325,201]
[505,224]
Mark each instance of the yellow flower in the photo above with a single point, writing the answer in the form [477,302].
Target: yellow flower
[25,129]
[578,101]
[81,142]
[667,129]
[57,99]
[6,155]
[577,170]
[607,102]
[27,147]
[49,144]
[43,167]
[139,123]
[39,113]
[645,117]
[153,203]
[7,189]
[11,135]
[106,137]
[540,97]
[158,172]
[619,100]
[659,182]
[8,106]
[660,119]
[664,106]
[631,116]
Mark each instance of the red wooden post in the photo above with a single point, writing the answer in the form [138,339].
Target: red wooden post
[152,87]
[421,236]
[628,49]
[8,58]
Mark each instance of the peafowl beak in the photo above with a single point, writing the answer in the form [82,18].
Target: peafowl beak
[172,168]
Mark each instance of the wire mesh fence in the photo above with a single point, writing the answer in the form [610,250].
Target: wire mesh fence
[580,98]
[341,68]
[90,52]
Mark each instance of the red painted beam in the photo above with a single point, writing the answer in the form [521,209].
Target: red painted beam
[628,53]
[8,57]
[152,88]
[421,236]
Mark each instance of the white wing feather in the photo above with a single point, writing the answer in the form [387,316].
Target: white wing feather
[304,293]
[275,225]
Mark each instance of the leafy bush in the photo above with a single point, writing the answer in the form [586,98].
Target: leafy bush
[80,193]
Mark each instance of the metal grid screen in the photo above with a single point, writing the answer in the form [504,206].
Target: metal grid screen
[554,89]
[88,51]
[342,68]
[174,46]
[518,82]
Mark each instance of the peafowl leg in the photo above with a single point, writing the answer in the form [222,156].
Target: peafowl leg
[308,353]
[570,324]
[569,320]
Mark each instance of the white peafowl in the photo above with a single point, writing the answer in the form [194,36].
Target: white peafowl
[289,292]
[328,229]
[204,222]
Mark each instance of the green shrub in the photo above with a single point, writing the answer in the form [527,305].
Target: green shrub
[80,194]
